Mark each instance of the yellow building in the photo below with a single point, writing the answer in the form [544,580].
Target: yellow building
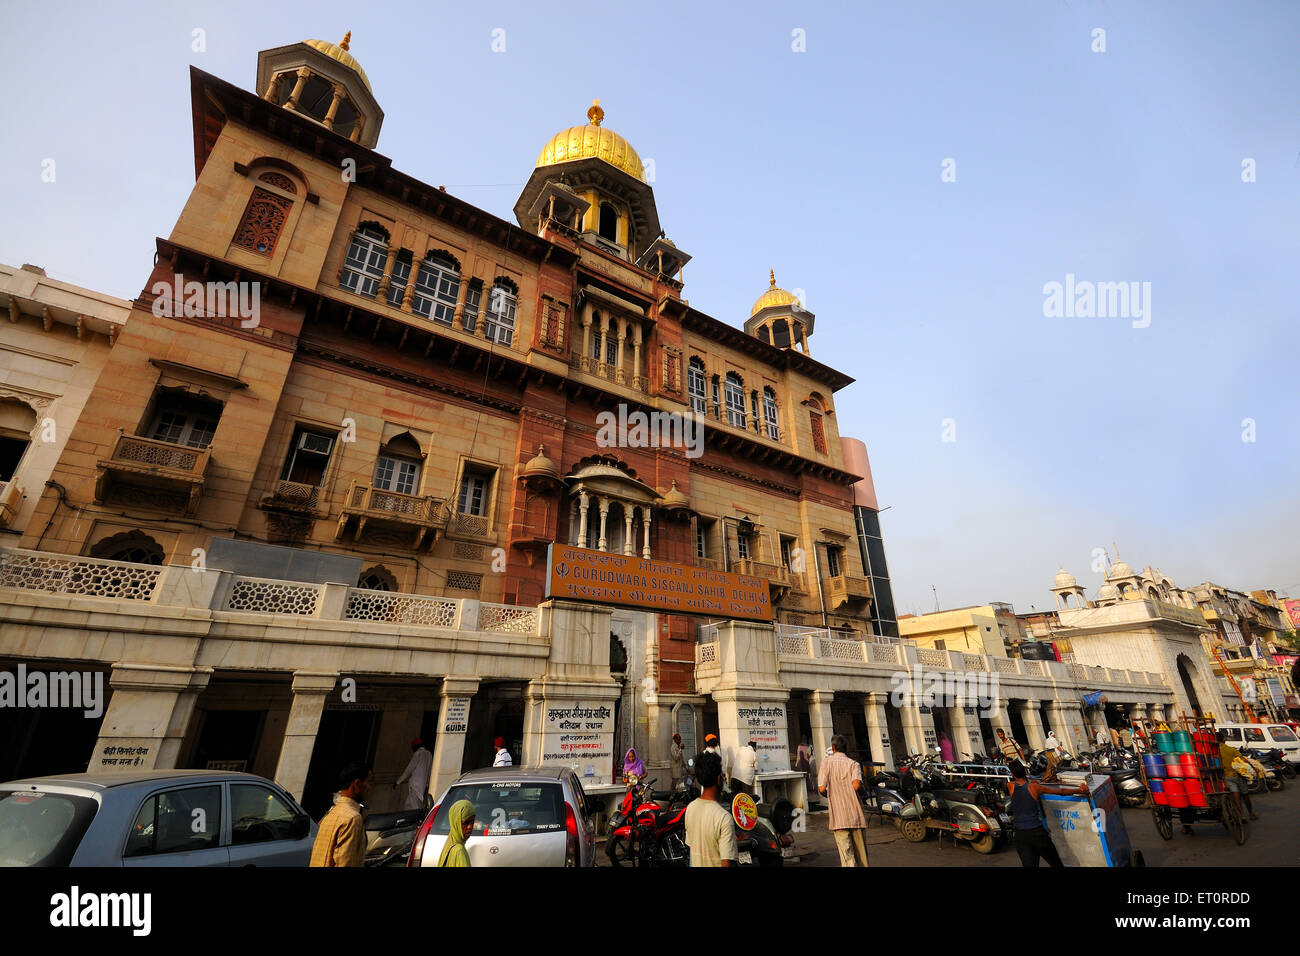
[975,630]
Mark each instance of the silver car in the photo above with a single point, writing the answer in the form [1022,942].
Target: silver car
[524,817]
[152,818]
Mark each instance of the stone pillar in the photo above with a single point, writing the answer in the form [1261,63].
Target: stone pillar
[1033,726]
[458,316]
[386,281]
[746,714]
[964,740]
[583,503]
[310,688]
[453,722]
[1066,729]
[147,717]
[584,361]
[621,335]
[629,546]
[915,725]
[645,530]
[328,121]
[819,721]
[878,730]
[636,352]
[273,88]
[292,102]
[604,516]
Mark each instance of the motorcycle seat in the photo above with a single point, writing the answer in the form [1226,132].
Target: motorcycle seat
[395,820]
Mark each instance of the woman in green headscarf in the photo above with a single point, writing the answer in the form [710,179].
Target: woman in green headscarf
[460,819]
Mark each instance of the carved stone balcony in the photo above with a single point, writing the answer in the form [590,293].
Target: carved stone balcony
[11,499]
[152,473]
[390,517]
[293,496]
[473,528]
[775,574]
[847,589]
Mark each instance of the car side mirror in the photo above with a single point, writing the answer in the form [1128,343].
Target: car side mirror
[300,826]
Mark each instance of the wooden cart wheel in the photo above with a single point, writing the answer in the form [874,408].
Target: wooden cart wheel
[1164,822]
[1233,819]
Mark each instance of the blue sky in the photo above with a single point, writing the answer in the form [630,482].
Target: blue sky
[1123,165]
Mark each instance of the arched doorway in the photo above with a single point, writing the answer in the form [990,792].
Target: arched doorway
[1185,673]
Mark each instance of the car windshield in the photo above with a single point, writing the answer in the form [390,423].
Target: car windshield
[1282,734]
[506,808]
[42,829]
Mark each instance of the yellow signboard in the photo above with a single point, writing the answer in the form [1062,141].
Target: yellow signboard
[582,575]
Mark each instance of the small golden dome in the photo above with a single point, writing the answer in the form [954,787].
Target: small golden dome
[592,141]
[339,51]
[773,296]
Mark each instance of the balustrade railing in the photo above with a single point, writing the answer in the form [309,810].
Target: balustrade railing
[64,574]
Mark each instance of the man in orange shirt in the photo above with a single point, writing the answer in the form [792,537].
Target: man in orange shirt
[341,836]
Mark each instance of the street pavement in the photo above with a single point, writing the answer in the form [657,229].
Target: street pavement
[1273,840]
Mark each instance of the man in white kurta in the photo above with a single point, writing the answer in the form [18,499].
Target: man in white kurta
[416,776]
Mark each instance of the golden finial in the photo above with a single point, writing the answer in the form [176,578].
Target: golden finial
[347,38]
[595,114]
[541,450]
[772,274]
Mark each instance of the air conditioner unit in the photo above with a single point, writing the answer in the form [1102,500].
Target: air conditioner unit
[316,444]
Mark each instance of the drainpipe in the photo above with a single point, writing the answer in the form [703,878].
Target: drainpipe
[63,499]
[821,597]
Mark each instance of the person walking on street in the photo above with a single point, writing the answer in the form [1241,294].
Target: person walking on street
[1100,738]
[840,780]
[1114,738]
[1232,781]
[746,770]
[676,763]
[460,823]
[341,836]
[417,772]
[1032,839]
[502,758]
[711,747]
[710,829]
[1052,747]
[1010,749]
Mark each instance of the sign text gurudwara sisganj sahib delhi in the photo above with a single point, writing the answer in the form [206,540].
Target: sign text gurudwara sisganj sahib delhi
[622,579]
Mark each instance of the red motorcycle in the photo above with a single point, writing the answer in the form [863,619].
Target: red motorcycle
[644,832]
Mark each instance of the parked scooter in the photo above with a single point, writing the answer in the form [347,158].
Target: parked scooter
[1265,776]
[975,815]
[1124,771]
[1275,760]
[390,836]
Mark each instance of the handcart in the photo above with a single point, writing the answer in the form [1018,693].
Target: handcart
[1089,830]
[1184,774]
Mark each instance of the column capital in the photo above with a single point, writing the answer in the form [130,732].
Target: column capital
[314,682]
[128,675]
[822,697]
[459,687]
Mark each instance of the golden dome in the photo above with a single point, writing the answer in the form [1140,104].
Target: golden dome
[773,296]
[339,51]
[592,141]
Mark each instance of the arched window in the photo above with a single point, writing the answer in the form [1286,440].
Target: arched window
[770,421]
[818,432]
[436,288]
[734,393]
[134,546]
[695,385]
[378,578]
[398,466]
[363,266]
[608,228]
[264,217]
[502,303]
